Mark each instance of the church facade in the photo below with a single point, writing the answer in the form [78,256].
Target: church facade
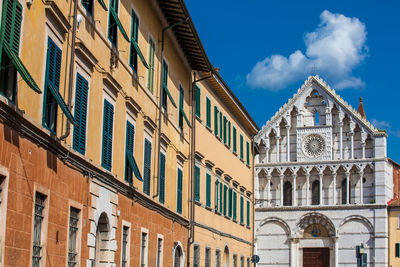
[322,180]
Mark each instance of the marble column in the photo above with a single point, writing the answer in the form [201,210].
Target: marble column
[320,188]
[278,153]
[269,190]
[348,187]
[288,143]
[361,187]
[307,189]
[336,252]
[266,160]
[281,178]
[341,139]
[294,190]
[352,145]
[334,188]
[363,149]
[293,253]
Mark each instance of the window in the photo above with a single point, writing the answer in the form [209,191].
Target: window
[217,195]
[40,200]
[73,233]
[108,120]
[221,132]
[224,125]
[208,111]
[397,250]
[178,256]
[241,147]
[234,205]
[52,83]
[208,190]
[125,246]
[316,118]
[217,258]
[88,5]
[247,153]
[248,262]
[150,76]
[196,256]
[234,139]
[225,197]
[143,250]
[221,197]
[198,102]
[159,251]
[81,98]
[207,261]
[248,214]
[112,22]
[230,199]
[130,162]
[315,193]
[179,192]
[165,85]
[241,210]
[181,100]
[162,179]
[197,183]
[133,62]
[344,191]
[234,260]
[241,261]
[229,134]
[287,194]
[147,166]
[216,120]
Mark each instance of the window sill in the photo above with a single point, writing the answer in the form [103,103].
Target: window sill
[209,129]
[208,208]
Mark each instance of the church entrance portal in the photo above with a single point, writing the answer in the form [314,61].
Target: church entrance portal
[315,257]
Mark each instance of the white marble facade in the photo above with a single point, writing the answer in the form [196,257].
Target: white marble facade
[322,181]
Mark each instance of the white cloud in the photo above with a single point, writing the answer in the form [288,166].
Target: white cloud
[334,49]
[380,124]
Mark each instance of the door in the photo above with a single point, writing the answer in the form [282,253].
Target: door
[315,257]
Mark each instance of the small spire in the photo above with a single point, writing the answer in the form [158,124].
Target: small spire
[361,108]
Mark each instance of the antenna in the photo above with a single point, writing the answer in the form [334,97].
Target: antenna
[314,69]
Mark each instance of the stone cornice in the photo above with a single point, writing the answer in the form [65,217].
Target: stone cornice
[327,207]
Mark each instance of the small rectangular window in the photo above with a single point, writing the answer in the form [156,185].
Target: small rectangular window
[150,77]
[40,201]
[159,251]
[207,260]
[208,111]
[248,262]
[217,258]
[73,233]
[397,250]
[234,260]
[241,261]
[143,250]
[196,256]
[125,246]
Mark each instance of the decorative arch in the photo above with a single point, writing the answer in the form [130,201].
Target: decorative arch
[178,255]
[361,219]
[315,218]
[226,257]
[277,220]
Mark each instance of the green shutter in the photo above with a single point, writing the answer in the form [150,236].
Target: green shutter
[221,126]
[150,76]
[241,209]
[215,120]
[224,135]
[208,108]
[161,185]
[229,133]
[247,153]
[147,167]
[234,205]
[197,183]
[198,102]
[81,98]
[165,84]
[241,146]
[225,197]
[397,250]
[220,198]
[248,214]
[179,192]
[119,24]
[108,120]
[131,165]
[208,190]
[234,139]
[216,195]
[182,114]
[230,196]
[103,5]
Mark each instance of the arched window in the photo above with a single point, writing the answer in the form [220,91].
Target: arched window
[287,194]
[344,192]
[315,193]
[316,118]
[102,238]
[177,256]
[226,257]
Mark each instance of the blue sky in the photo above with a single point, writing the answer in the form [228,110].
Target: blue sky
[238,36]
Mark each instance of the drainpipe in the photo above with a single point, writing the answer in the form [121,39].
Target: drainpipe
[71,69]
[160,102]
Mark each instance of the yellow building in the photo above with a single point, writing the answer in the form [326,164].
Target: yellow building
[223,184]
[394,218]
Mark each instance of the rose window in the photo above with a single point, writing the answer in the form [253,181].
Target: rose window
[313,145]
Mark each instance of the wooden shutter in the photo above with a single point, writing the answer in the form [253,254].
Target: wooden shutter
[220,198]
[162,179]
[134,37]
[198,103]
[225,198]
[247,153]
[397,250]
[220,125]
[81,98]
[234,139]
[208,190]
[248,214]
[234,204]
[147,167]
[208,110]
[11,20]
[150,77]
[130,137]
[216,121]
[230,196]
[108,118]
[229,133]
[241,146]
[217,195]
[224,135]
[241,209]
[196,183]
[179,192]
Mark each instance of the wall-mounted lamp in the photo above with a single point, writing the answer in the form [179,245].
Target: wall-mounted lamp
[79,19]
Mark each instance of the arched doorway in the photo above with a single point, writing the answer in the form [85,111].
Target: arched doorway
[178,255]
[287,194]
[102,238]
[226,257]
